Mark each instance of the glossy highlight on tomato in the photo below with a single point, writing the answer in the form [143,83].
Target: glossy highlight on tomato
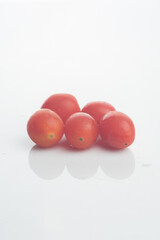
[63,104]
[81,130]
[98,109]
[117,130]
[45,128]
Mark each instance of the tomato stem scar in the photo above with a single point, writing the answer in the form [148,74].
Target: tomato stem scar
[51,135]
[81,139]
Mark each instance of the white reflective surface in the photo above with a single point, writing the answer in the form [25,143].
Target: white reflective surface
[50,163]
[96,50]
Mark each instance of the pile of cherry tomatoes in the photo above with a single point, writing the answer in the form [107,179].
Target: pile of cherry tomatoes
[60,114]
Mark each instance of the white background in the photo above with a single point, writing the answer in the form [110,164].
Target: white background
[96,50]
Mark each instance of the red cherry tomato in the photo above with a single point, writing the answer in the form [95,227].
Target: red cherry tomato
[63,104]
[98,109]
[45,128]
[117,130]
[81,130]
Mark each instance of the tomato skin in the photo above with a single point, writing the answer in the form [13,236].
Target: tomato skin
[117,130]
[81,130]
[45,128]
[63,104]
[98,109]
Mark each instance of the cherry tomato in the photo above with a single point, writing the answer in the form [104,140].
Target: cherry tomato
[81,130]
[45,128]
[117,130]
[63,104]
[98,109]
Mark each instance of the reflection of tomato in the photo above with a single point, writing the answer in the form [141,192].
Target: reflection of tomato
[97,109]
[81,130]
[117,130]
[63,104]
[45,128]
